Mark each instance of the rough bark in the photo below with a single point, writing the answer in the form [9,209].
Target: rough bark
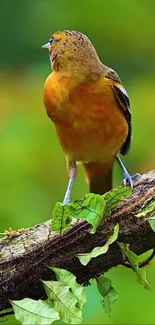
[24,259]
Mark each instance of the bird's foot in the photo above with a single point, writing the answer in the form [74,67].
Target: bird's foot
[135,176]
[129,180]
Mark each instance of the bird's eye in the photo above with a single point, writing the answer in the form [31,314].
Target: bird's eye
[53,40]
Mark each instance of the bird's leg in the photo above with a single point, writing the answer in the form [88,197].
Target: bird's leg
[72,169]
[127,178]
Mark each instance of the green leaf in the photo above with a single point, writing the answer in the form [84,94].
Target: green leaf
[5,311]
[134,262]
[143,258]
[28,311]
[90,208]
[61,219]
[86,257]
[147,210]
[67,278]
[109,294]
[66,296]
[114,197]
[93,208]
[62,300]
[151,221]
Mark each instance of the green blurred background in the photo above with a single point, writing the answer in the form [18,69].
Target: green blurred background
[33,173]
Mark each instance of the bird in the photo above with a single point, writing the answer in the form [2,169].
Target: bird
[90,108]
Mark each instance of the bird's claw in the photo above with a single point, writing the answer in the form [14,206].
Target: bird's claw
[135,176]
[129,180]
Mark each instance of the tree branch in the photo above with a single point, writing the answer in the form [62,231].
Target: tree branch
[24,259]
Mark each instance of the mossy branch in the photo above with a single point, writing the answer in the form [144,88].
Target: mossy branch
[24,259]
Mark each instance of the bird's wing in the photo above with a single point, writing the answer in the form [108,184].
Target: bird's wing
[124,103]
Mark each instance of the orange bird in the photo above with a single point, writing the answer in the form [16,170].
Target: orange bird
[90,109]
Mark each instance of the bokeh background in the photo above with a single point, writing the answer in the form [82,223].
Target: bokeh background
[32,166]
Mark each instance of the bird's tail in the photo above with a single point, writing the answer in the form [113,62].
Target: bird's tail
[99,176]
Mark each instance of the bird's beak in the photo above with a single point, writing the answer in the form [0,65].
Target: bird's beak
[46,46]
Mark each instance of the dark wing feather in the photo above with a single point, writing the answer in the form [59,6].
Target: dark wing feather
[124,103]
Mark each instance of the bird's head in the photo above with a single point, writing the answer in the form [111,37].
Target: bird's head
[72,53]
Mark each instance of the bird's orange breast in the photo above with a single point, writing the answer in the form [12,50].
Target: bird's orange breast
[89,122]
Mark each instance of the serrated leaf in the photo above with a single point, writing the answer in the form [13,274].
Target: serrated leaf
[61,219]
[134,262]
[28,311]
[67,278]
[114,197]
[147,210]
[108,293]
[90,208]
[86,257]
[66,296]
